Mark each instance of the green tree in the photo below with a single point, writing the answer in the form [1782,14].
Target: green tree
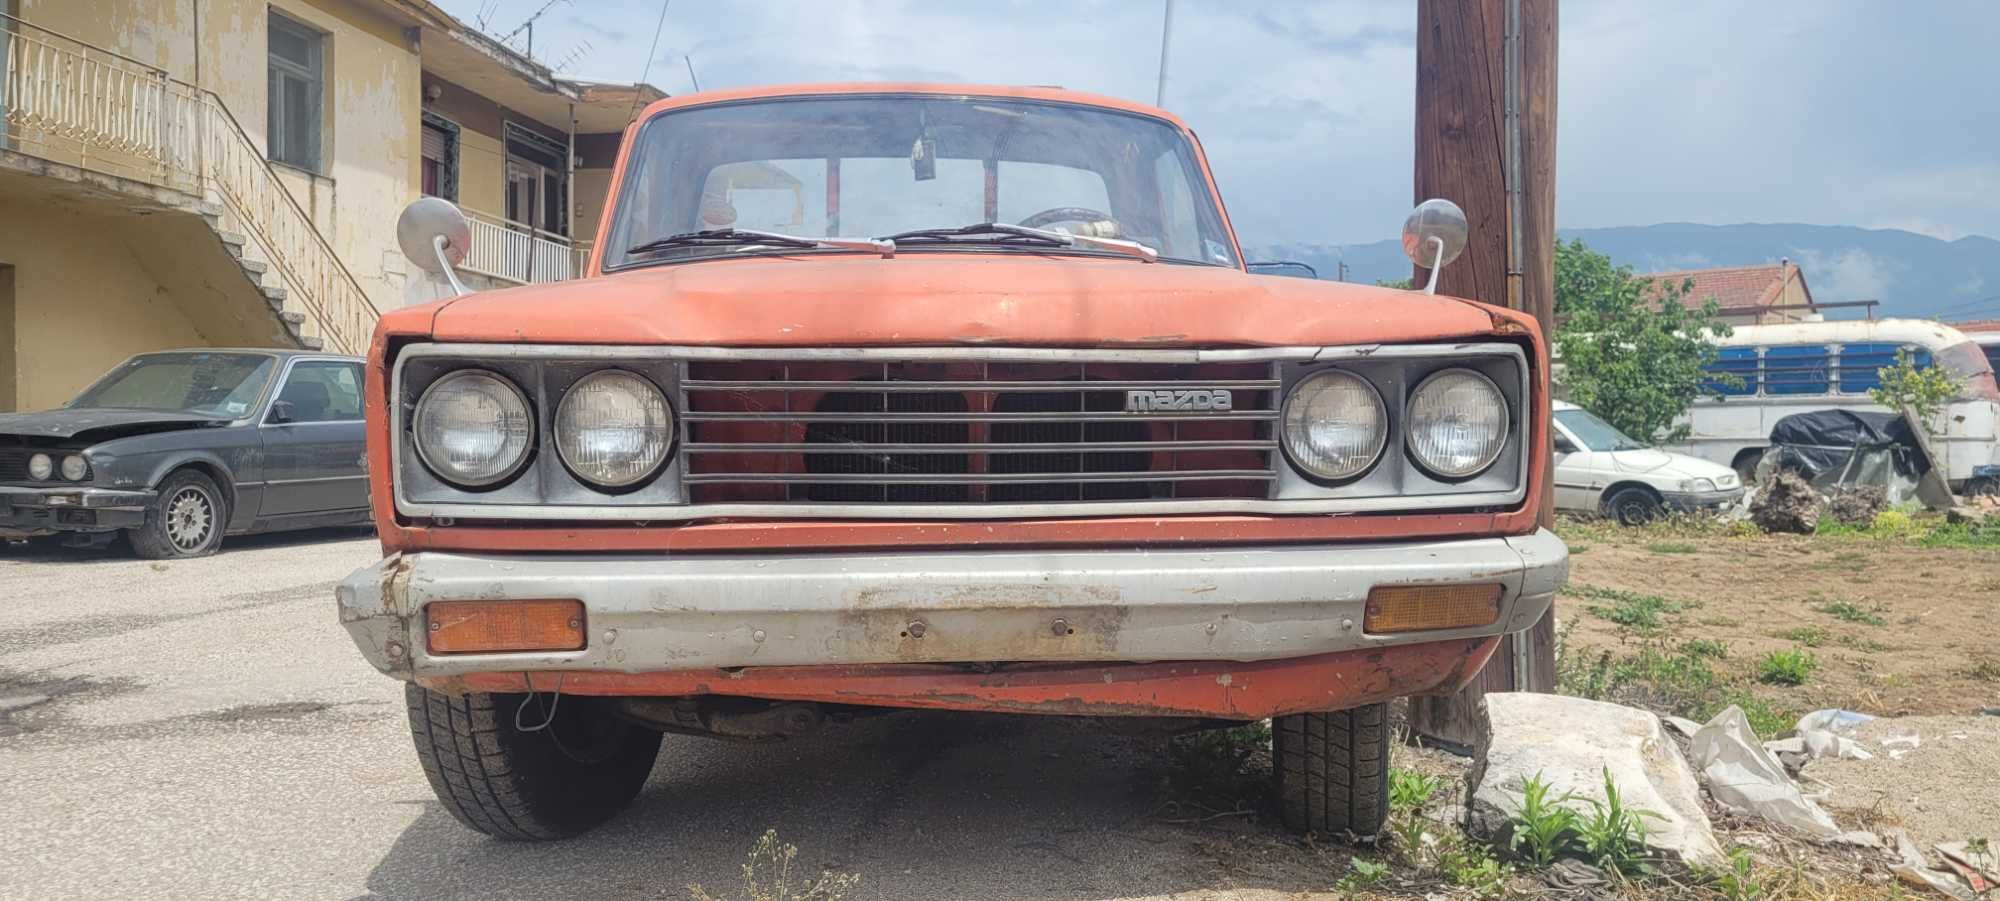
[1630,352]
[1403,283]
[1924,391]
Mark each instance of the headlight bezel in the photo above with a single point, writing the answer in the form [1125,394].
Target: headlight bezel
[1382,440]
[41,467]
[1507,424]
[659,466]
[514,469]
[83,472]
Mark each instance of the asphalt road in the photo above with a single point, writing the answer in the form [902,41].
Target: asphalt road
[204,729]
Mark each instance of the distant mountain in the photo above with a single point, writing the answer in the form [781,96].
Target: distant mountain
[1911,274]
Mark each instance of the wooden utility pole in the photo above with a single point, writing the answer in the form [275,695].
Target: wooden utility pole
[1486,140]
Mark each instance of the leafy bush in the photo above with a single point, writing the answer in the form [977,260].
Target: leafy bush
[1791,667]
[1615,835]
[1542,825]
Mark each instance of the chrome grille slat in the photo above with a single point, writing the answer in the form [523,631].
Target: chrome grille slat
[980,448]
[779,416]
[922,478]
[899,386]
[951,431]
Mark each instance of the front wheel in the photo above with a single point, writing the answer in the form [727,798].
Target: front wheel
[186,519]
[1634,506]
[504,766]
[1332,770]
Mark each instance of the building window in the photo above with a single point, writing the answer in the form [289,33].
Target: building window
[537,181]
[440,157]
[293,102]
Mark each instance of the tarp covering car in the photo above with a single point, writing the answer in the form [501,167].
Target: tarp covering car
[1841,450]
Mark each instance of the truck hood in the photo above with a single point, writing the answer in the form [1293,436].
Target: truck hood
[93,424]
[958,298]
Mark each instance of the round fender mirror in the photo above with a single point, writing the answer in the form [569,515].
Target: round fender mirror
[1435,233]
[422,223]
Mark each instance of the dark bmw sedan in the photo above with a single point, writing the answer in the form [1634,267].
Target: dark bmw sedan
[177,449]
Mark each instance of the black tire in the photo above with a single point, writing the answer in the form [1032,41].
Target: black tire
[1332,770]
[187,519]
[544,785]
[1633,506]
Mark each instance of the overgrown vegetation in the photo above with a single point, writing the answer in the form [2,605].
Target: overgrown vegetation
[768,876]
[1639,612]
[1925,391]
[1850,612]
[1632,352]
[1792,667]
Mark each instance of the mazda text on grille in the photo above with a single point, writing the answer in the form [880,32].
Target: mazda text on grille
[881,397]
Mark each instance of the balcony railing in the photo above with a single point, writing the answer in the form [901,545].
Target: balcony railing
[516,252]
[70,102]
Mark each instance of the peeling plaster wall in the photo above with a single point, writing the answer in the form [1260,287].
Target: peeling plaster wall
[370,152]
[81,303]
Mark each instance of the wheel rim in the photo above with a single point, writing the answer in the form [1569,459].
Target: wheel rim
[1633,512]
[190,519]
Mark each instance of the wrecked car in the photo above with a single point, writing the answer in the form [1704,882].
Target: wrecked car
[951,398]
[176,449]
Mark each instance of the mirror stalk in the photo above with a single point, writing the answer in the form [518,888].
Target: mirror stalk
[458,288]
[1437,265]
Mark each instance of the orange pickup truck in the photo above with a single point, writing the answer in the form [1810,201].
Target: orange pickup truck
[946,397]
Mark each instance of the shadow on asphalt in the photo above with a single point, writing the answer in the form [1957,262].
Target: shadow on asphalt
[49,549]
[920,805]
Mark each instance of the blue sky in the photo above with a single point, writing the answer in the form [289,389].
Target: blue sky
[1841,112]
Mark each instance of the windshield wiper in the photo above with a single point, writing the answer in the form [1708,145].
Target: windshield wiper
[1009,235]
[748,237]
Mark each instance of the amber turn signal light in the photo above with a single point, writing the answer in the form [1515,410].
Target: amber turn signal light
[1416,608]
[489,627]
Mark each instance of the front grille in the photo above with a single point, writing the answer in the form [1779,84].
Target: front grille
[13,465]
[951,432]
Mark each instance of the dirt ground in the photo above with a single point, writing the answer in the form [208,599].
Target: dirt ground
[1923,786]
[1896,628]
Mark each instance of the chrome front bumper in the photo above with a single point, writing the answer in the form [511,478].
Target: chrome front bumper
[59,496]
[655,613]
[1703,500]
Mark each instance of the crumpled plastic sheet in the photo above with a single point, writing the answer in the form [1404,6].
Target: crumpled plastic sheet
[1744,776]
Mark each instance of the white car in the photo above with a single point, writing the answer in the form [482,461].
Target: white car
[1600,470]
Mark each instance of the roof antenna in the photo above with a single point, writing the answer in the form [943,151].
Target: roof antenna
[689,59]
[529,27]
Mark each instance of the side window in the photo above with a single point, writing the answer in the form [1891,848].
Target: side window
[324,391]
[1740,362]
[1861,365]
[1798,369]
[293,99]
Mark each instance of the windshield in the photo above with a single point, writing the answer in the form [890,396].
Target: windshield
[1595,433]
[869,166]
[218,384]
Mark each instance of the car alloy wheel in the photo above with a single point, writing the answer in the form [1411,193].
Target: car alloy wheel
[190,519]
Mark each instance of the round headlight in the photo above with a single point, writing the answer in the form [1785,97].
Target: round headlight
[1457,423]
[473,428]
[1335,425]
[74,468]
[613,429]
[40,467]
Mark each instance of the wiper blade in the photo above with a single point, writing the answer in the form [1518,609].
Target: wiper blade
[748,237]
[1011,234]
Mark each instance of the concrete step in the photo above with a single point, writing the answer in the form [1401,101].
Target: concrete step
[292,318]
[232,240]
[255,267]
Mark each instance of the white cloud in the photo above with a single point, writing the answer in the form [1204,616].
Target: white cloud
[1851,275]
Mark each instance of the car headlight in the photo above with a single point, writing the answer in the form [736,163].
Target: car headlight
[1727,481]
[1335,425]
[1458,423]
[75,468]
[614,428]
[473,428]
[40,467]
[1697,485]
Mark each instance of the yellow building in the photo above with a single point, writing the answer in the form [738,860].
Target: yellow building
[228,173]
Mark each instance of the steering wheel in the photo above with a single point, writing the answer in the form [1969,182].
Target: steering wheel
[1057,214]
